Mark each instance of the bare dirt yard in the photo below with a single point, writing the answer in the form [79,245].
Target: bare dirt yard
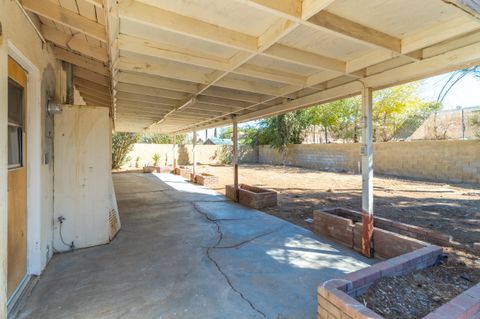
[448,208]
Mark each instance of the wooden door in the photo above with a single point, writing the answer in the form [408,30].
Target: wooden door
[17,176]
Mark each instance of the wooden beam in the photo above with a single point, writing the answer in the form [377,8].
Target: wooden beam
[274,33]
[233,94]
[170,52]
[354,30]
[289,8]
[461,5]
[308,59]
[439,33]
[225,109]
[88,94]
[222,101]
[79,44]
[243,85]
[312,7]
[150,91]
[417,42]
[76,43]
[163,69]
[145,98]
[92,85]
[65,17]
[271,75]
[81,61]
[93,92]
[141,107]
[92,101]
[91,76]
[97,3]
[449,61]
[173,22]
[127,105]
[156,82]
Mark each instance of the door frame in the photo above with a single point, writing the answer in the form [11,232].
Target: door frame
[33,123]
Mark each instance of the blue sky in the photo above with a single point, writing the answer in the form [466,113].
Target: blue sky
[465,93]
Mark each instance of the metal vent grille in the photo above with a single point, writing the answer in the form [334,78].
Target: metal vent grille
[113,220]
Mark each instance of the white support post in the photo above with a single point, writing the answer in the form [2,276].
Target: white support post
[367,172]
[194,150]
[174,151]
[235,156]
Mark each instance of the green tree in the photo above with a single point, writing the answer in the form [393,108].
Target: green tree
[122,144]
[339,119]
[475,121]
[226,132]
[155,138]
[392,107]
[282,130]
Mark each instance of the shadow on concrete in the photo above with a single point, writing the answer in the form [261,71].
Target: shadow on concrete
[186,251]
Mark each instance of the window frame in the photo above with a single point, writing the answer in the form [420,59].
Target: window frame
[20,128]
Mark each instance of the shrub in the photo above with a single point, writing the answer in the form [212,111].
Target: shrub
[122,144]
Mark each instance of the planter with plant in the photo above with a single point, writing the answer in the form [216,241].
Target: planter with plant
[155,167]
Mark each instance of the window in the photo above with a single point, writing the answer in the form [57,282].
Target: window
[15,124]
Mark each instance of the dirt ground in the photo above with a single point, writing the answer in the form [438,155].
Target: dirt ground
[418,293]
[448,208]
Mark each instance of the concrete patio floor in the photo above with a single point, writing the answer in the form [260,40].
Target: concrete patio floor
[187,252]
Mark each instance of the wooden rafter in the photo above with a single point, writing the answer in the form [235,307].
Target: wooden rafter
[91,76]
[75,42]
[81,61]
[355,31]
[66,17]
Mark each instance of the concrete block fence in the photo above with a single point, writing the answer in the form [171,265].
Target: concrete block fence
[449,160]
[206,154]
[445,161]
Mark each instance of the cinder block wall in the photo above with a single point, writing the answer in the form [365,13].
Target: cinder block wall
[455,161]
[206,154]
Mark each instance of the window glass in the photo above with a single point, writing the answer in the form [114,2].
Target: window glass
[15,103]
[14,146]
[15,124]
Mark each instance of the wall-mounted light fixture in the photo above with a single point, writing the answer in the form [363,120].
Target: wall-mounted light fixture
[53,107]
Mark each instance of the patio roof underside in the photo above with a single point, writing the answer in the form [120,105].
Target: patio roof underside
[171,65]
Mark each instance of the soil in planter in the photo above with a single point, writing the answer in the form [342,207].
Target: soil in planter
[417,294]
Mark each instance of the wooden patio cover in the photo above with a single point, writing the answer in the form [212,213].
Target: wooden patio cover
[173,65]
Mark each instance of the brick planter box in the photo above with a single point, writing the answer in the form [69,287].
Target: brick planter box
[151,169]
[412,231]
[251,196]
[336,296]
[345,231]
[206,179]
[183,171]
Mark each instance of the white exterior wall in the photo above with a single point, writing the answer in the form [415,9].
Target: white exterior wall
[20,40]
[83,190]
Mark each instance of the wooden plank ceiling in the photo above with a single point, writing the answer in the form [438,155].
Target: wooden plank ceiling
[172,65]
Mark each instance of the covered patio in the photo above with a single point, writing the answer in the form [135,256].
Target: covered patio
[178,66]
[186,251]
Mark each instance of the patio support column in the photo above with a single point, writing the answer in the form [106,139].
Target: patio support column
[174,151]
[194,150]
[235,156]
[367,172]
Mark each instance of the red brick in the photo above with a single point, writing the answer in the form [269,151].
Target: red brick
[322,312]
[329,307]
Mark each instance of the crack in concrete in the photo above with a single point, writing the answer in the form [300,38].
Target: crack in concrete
[251,239]
[219,240]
